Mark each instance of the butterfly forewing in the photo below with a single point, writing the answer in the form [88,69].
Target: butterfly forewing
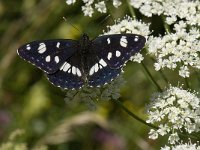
[118,48]
[48,55]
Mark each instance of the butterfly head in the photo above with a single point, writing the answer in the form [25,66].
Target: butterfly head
[84,41]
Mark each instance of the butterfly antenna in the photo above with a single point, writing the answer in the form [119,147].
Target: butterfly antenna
[102,23]
[72,25]
[104,19]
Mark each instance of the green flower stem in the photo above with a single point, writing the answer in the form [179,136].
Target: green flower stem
[119,103]
[161,73]
[198,77]
[130,9]
[187,83]
[151,77]
[166,26]
[164,77]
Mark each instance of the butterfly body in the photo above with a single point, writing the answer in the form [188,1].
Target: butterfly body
[72,64]
[86,55]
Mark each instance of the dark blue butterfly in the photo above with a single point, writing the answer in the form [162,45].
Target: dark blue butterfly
[72,64]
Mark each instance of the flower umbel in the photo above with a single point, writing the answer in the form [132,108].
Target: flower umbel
[90,5]
[69,2]
[172,9]
[178,109]
[186,146]
[101,7]
[88,10]
[180,49]
[128,25]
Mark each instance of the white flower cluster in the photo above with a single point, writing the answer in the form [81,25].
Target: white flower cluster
[186,146]
[129,25]
[89,5]
[137,58]
[173,9]
[175,110]
[180,49]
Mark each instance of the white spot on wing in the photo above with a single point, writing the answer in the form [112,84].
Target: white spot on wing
[91,70]
[74,70]
[66,67]
[61,68]
[28,47]
[58,45]
[78,72]
[123,41]
[103,63]
[108,40]
[118,53]
[96,67]
[48,58]
[56,58]
[136,38]
[109,55]
[42,48]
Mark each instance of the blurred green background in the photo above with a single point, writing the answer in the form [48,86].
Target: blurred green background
[33,112]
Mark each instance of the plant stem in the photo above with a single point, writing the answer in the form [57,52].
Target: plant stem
[198,78]
[119,103]
[164,77]
[131,9]
[161,73]
[151,77]
[133,115]
[187,83]
[166,26]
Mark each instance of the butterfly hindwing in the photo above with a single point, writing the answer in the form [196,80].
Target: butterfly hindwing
[69,75]
[100,73]
[48,55]
[116,49]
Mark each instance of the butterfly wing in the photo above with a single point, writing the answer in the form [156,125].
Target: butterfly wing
[69,75]
[112,52]
[116,49]
[64,66]
[48,55]
[100,73]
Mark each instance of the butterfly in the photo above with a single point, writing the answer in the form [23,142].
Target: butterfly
[71,64]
